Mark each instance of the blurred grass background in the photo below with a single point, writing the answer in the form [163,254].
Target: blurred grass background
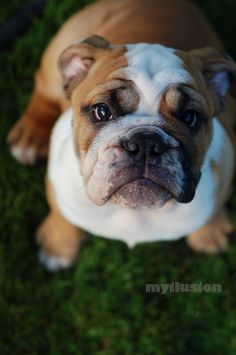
[100,305]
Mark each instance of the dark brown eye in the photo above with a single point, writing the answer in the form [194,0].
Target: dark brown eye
[102,112]
[190,118]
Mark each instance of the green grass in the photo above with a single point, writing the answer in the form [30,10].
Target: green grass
[100,305]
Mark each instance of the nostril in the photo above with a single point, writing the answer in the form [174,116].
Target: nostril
[156,149]
[160,147]
[133,147]
[130,146]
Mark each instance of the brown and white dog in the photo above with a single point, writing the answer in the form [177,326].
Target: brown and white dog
[146,152]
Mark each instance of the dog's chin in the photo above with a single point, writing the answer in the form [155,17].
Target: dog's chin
[141,194]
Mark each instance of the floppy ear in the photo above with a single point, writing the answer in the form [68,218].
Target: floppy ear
[76,60]
[219,72]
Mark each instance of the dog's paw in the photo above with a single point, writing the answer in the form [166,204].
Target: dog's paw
[212,238]
[54,263]
[28,142]
[213,243]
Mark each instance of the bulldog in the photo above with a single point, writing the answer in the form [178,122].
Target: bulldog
[144,148]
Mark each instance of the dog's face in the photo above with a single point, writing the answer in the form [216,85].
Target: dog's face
[142,118]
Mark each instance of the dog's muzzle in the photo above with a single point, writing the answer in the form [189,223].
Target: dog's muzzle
[143,168]
[161,172]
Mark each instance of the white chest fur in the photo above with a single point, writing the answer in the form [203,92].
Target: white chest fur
[172,221]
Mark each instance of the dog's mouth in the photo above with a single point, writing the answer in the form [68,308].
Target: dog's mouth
[142,193]
[142,185]
[148,192]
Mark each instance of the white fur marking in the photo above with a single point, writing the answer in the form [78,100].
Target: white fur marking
[24,155]
[152,68]
[53,263]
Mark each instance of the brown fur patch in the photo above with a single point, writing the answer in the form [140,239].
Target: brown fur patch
[103,84]
[56,236]
[175,101]
[199,84]
[202,59]
[194,63]
[34,128]
[42,110]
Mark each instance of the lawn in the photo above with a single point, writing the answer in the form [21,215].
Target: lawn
[100,305]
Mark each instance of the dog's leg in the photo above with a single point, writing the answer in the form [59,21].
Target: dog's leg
[58,239]
[59,242]
[212,238]
[29,137]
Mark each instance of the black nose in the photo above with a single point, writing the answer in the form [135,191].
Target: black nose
[145,143]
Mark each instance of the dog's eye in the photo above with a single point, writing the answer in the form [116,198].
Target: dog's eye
[190,118]
[102,112]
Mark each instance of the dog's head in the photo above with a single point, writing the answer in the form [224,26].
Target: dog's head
[143,118]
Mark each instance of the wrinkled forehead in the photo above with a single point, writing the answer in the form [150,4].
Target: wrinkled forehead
[145,70]
[152,68]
